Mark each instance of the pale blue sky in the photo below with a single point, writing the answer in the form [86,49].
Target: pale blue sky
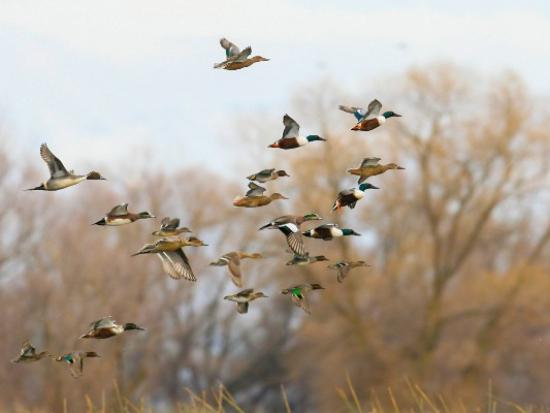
[95,78]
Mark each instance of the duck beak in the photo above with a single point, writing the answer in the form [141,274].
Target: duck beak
[355,233]
[374,187]
[400,167]
[397,115]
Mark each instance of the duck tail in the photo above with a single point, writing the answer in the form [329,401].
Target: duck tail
[100,222]
[274,145]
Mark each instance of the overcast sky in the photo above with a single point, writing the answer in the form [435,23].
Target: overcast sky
[94,78]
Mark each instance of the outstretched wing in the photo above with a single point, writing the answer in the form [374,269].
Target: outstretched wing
[27,350]
[255,190]
[231,49]
[294,238]
[373,110]
[168,224]
[105,322]
[242,308]
[176,265]
[292,129]
[119,211]
[302,302]
[355,110]
[243,55]
[234,265]
[368,162]
[56,167]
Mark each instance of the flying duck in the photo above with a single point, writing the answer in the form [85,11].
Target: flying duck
[298,294]
[235,58]
[75,360]
[289,225]
[342,268]
[306,259]
[329,231]
[119,215]
[371,118]
[371,167]
[266,175]
[106,327]
[349,197]
[233,262]
[169,228]
[28,353]
[291,136]
[243,298]
[59,176]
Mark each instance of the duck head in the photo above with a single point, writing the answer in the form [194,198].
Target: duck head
[282,173]
[366,185]
[259,294]
[311,138]
[256,59]
[95,176]
[347,231]
[391,114]
[132,326]
[277,195]
[394,166]
[145,215]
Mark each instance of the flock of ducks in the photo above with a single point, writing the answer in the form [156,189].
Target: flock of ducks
[170,240]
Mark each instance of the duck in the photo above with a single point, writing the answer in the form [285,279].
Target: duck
[235,58]
[257,201]
[233,262]
[243,299]
[28,354]
[266,175]
[329,231]
[371,118]
[371,167]
[298,295]
[75,360]
[60,178]
[119,215]
[289,225]
[342,268]
[169,228]
[170,252]
[306,259]
[107,327]
[291,136]
[349,197]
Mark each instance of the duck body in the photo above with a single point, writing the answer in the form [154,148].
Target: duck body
[256,201]
[291,137]
[373,123]
[328,232]
[371,167]
[289,225]
[243,299]
[107,327]
[306,259]
[60,177]
[119,215]
[342,268]
[240,64]
[349,197]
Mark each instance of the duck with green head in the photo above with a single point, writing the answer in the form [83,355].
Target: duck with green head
[369,119]
[243,299]
[107,327]
[329,231]
[119,215]
[59,176]
[298,294]
[371,167]
[289,225]
[349,197]
[291,138]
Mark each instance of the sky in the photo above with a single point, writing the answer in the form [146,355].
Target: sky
[98,79]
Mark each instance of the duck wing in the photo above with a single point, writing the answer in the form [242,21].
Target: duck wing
[119,211]
[255,190]
[243,55]
[231,49]
[56,167]
[105,322]
[302,302]
[242,308]
[368,162]
[292,129]
[373,110]
[234,265]
[27,350]
[294,238]
[176,265]
[168,224]
[355,110]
